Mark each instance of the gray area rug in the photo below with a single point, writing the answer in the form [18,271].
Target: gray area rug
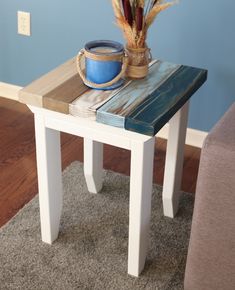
[91,251]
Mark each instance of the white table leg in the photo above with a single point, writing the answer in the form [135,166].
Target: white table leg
[140,204]
[93,165]
[174,161]
[49,179]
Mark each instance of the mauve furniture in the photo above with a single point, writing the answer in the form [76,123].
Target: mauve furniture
[211,255]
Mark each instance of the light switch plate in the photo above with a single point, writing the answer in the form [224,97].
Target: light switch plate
[24,23]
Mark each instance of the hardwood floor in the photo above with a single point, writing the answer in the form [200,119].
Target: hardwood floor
[18,176]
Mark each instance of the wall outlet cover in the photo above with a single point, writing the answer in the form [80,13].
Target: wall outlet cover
[24,23]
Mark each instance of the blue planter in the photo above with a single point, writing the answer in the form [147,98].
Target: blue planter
[101,71]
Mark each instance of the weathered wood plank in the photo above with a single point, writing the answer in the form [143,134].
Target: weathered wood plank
[60,97]
[58,87]
[85,105]
[116,109]
[9,91]
[149,117]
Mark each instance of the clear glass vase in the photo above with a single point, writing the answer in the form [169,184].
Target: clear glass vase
[138,61]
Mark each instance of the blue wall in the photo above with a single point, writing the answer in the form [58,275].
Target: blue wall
[198,33]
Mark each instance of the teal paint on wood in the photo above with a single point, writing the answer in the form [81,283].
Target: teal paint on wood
[153,113]
[121,105]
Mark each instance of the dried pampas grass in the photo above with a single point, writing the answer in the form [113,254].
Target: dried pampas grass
[157,8]
[135,16]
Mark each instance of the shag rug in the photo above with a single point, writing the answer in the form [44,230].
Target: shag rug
[91,250]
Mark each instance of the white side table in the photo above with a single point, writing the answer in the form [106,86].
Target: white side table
[132,117]
[49,124]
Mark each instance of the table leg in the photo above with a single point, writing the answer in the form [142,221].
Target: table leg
[49,179]
[174,161]
[93,165]
[140,204]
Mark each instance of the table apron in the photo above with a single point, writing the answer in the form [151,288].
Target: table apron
[89,129]
[96,135]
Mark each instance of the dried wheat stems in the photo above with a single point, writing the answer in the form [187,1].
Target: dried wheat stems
[135,16]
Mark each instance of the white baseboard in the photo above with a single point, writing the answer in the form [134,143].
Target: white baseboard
[193,137]
[9,91]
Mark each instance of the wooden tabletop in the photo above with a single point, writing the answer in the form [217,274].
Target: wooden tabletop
[142,106]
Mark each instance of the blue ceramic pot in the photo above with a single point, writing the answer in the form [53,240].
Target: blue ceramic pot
[101,71]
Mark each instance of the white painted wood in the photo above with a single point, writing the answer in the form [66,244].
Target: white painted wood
[86,105]
[174,161]
[93,165]
[142,152]
[89,129]
[193,137]
[49,179]
[9,91]
[49,174]
[140,204]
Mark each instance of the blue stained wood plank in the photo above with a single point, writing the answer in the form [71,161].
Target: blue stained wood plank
[153,113]
[117,108]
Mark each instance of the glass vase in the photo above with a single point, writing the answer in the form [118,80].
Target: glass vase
[138,62]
